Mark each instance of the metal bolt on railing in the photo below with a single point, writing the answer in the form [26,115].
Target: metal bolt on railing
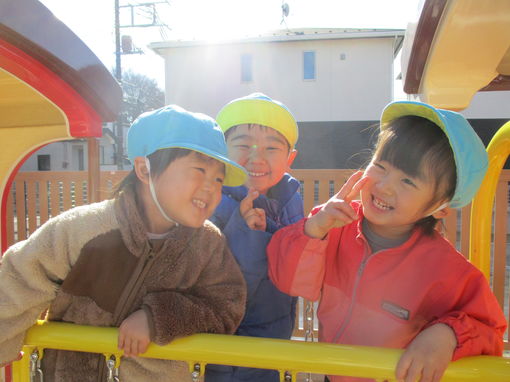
[36,373]
[195,374]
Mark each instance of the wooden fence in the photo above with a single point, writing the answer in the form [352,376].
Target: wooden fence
[37,196]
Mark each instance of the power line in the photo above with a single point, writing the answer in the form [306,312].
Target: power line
[149,11]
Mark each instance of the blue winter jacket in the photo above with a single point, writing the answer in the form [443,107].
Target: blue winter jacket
[269,312]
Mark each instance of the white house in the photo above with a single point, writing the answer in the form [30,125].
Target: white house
[335,81]
[72,155]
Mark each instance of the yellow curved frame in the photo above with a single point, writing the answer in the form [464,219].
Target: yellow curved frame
[294,356]
[29,120]
[481,210]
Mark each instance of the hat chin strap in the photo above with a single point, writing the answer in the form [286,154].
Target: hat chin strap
[154,197]
[439,208]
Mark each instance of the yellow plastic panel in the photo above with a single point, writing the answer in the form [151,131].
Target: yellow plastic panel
[22,106]
[481,210]
[471,41]
[28,120]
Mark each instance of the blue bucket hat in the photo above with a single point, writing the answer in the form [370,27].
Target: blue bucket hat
[260,109]
[172,126]
[468,150]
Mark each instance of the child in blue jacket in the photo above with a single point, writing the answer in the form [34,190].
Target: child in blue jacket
[261,134]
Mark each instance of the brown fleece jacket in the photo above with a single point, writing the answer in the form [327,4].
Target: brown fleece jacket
[93,265]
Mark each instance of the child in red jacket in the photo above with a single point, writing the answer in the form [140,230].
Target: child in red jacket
[384,275]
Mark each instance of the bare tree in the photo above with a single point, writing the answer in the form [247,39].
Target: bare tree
[141,94]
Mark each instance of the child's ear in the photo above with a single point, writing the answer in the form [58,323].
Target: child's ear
[442,213]
[141,170]
[291,157]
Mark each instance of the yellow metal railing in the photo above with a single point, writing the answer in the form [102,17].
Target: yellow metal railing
[481,210]
[284,355]
[291,357]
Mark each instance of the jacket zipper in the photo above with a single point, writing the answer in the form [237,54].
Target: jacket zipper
[347,318]
[361,269]
[127,297]
[133,286]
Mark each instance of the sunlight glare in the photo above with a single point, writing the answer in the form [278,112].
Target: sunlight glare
[225,19]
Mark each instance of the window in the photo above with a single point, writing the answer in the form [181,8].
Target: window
[246,68]
[101,155]
[81,163]
[78,158]
[43,163]
[309,65]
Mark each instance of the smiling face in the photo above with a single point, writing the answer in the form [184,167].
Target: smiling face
[264,153]
[411,174]
[393,201]
[188,190]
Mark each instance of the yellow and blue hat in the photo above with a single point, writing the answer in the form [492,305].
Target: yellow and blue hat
[260,109]
[469,151]
[172,126]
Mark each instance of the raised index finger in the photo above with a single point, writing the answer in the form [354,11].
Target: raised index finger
[352,187]
[247,203]
[357,188]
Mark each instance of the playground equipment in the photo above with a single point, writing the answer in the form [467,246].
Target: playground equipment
[460,47]
[53,92]
[52,88]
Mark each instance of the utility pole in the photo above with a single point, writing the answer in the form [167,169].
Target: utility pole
[127,48]
[118,128]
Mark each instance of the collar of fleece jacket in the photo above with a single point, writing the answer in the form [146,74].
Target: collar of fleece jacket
[134,231]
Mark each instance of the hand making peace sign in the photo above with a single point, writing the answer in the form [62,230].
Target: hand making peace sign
[337,211]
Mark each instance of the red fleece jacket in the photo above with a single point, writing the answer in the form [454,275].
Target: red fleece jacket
[386,298]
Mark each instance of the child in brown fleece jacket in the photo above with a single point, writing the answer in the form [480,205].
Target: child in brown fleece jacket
[146,261]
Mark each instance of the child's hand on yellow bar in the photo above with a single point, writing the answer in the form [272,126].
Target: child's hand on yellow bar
[428,355]
[134,334]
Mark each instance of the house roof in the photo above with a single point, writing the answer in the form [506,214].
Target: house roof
[288,35]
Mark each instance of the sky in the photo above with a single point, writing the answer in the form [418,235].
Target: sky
[93,22]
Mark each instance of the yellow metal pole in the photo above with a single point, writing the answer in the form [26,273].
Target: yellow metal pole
[296,356]
[481,210]
[21,368]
